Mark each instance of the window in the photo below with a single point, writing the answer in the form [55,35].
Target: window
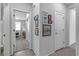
[18,26]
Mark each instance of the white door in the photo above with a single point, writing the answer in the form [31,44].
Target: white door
[59,30]
[6,31]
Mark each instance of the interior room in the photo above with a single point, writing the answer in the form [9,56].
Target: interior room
[21,30]
[38,29]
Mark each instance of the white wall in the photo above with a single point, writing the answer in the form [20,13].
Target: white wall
[6,30]
[35,41]
[47,43]
[77,29]
[72,34]
[20,15]
[22,6]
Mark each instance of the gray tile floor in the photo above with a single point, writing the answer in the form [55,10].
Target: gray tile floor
[26,52]
[22,48]
[22,51]
[68,51]
[21,44]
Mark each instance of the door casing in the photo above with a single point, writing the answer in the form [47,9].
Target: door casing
[13,40]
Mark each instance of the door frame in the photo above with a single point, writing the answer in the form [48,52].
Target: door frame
[12,13]
[72,8]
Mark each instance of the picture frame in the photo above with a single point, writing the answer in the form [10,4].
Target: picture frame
[49,19]
[44,17]
[46,30]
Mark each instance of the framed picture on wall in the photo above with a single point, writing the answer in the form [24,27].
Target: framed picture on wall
[49,19]
[46,31]
[44,17]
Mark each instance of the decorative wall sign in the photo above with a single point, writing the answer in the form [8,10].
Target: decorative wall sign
[36,25]
[36,31]
[46,30]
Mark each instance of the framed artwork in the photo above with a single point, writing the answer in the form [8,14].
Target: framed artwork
[49,19]
[44,17]
[46,30]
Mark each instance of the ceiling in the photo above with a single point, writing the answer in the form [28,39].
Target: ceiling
[20,15]
[69,4]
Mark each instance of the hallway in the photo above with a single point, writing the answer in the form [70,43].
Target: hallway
[21,44]
[22,47]
[38,29]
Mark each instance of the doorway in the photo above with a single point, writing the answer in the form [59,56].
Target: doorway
[21,30]
[72,30]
